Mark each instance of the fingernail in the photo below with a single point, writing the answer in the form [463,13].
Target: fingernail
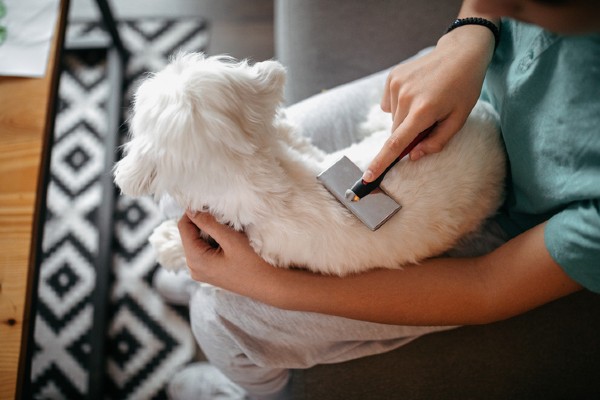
[368,176]
[191,214]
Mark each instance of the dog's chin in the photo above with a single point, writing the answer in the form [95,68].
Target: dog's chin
[135,190]
[131,190]
[134,180]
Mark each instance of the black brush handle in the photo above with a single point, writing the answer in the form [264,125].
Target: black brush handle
[362,188]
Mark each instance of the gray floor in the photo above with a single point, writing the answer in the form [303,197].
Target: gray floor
[241,28]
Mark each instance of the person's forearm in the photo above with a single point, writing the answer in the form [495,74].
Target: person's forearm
[438,292]
[516,277]
[511,280]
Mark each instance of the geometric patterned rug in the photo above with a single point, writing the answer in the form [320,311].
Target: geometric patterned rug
[148,340]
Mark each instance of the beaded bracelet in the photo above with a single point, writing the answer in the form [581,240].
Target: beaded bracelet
[477,21]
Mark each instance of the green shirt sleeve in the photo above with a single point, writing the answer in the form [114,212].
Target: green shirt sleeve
[573,239]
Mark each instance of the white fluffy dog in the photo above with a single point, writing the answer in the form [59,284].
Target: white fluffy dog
[210,133]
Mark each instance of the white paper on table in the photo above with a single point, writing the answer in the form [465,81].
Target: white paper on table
[29,30]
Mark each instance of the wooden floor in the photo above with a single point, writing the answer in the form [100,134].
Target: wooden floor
[240,28]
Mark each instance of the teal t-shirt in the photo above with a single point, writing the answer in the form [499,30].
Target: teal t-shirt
[546,88]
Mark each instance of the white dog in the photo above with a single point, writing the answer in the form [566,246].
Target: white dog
[210,133]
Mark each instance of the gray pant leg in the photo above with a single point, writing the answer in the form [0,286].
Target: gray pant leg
[254,344]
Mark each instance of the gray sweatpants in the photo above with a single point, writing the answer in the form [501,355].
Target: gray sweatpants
[255,345]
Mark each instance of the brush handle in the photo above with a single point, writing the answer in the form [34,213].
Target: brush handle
[362,188]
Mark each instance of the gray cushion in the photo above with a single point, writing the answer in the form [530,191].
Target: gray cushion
[552,352]
[324,43]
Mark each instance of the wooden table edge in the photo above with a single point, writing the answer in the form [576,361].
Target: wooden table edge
[39,213]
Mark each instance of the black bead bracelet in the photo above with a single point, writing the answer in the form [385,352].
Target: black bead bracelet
[477,21]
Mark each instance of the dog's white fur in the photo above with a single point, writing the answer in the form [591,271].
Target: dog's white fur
[211,133]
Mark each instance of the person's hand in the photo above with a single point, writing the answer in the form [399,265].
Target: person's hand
[439,88]
[234,265]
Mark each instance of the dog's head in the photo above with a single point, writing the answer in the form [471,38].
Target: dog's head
[195,120]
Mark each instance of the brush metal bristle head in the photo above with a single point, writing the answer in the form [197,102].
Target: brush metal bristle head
[373,210]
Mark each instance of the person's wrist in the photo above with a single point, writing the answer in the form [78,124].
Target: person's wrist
[469,34]
[492,26]
[469,39]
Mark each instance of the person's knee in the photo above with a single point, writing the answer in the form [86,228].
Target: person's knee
[237,332]
[215,322]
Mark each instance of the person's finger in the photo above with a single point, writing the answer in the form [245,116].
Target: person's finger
[190,236]
[385,100]
[438,138]
[400,103]
[393,104]
[222,234]
[401,110]
[394,146]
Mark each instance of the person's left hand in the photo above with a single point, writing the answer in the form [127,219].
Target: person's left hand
[234,265]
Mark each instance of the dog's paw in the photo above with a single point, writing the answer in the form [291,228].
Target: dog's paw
[167,244]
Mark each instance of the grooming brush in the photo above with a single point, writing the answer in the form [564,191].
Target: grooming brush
[373,208]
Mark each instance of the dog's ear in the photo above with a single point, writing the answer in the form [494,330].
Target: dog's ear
[135,174]
[271,78]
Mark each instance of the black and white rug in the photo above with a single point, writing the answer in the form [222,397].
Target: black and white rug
[148,340]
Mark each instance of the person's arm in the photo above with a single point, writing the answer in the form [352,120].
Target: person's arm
[439,88]
[516,277]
